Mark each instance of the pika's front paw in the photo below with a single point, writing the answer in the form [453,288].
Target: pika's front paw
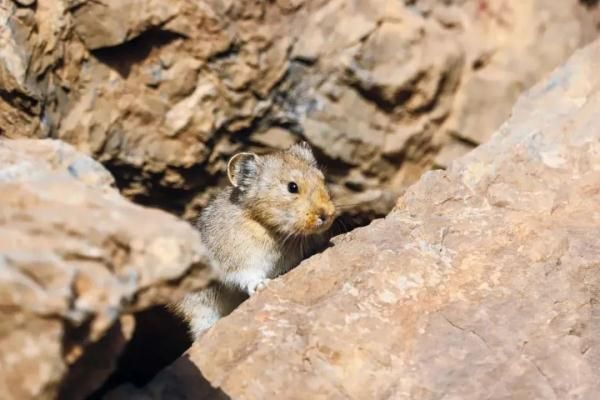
[260,285]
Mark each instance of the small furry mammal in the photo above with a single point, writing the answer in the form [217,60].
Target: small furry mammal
[273,216]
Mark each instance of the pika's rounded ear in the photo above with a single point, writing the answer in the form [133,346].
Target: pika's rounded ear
[304,151]
[241,168]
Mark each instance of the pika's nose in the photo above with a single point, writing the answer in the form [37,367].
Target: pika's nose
[323,218]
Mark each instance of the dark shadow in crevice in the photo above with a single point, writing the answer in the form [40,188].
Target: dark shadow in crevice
[124,56]
[95,363]
[589,3]
[183,380]
[373,94]
[465,140]
[160,337]
[27,104]
[156,194]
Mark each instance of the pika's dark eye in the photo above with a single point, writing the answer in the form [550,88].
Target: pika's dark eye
[292,187]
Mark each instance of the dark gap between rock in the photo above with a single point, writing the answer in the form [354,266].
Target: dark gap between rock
[589,3]
[159,338]
[123,57]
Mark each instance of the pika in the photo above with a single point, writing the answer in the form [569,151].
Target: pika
[275,213]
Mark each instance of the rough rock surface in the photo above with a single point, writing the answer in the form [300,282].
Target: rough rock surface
[162,92]
[484,282]
[76,260]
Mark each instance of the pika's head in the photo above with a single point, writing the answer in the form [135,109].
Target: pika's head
[284,190]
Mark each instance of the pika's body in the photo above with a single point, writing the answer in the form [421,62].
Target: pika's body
[243,252]
[273,216]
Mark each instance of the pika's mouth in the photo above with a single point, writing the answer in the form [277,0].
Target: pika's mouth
[319,224]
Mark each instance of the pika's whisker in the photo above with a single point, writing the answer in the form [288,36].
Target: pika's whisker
[286,238]
[342,227]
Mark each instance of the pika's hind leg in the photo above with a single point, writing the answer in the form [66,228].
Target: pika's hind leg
[202,309]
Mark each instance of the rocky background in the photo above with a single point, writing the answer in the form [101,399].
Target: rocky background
[163,92]
[153,97]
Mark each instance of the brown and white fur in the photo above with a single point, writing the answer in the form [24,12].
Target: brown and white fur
[271,218]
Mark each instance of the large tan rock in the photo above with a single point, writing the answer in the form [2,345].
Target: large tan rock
[484,282]
[76,260]
[162,92]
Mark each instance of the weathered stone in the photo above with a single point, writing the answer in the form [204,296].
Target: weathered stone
[30,48]
[13,56]
[163,92]
[482,283]
[113,22]
[76,259]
